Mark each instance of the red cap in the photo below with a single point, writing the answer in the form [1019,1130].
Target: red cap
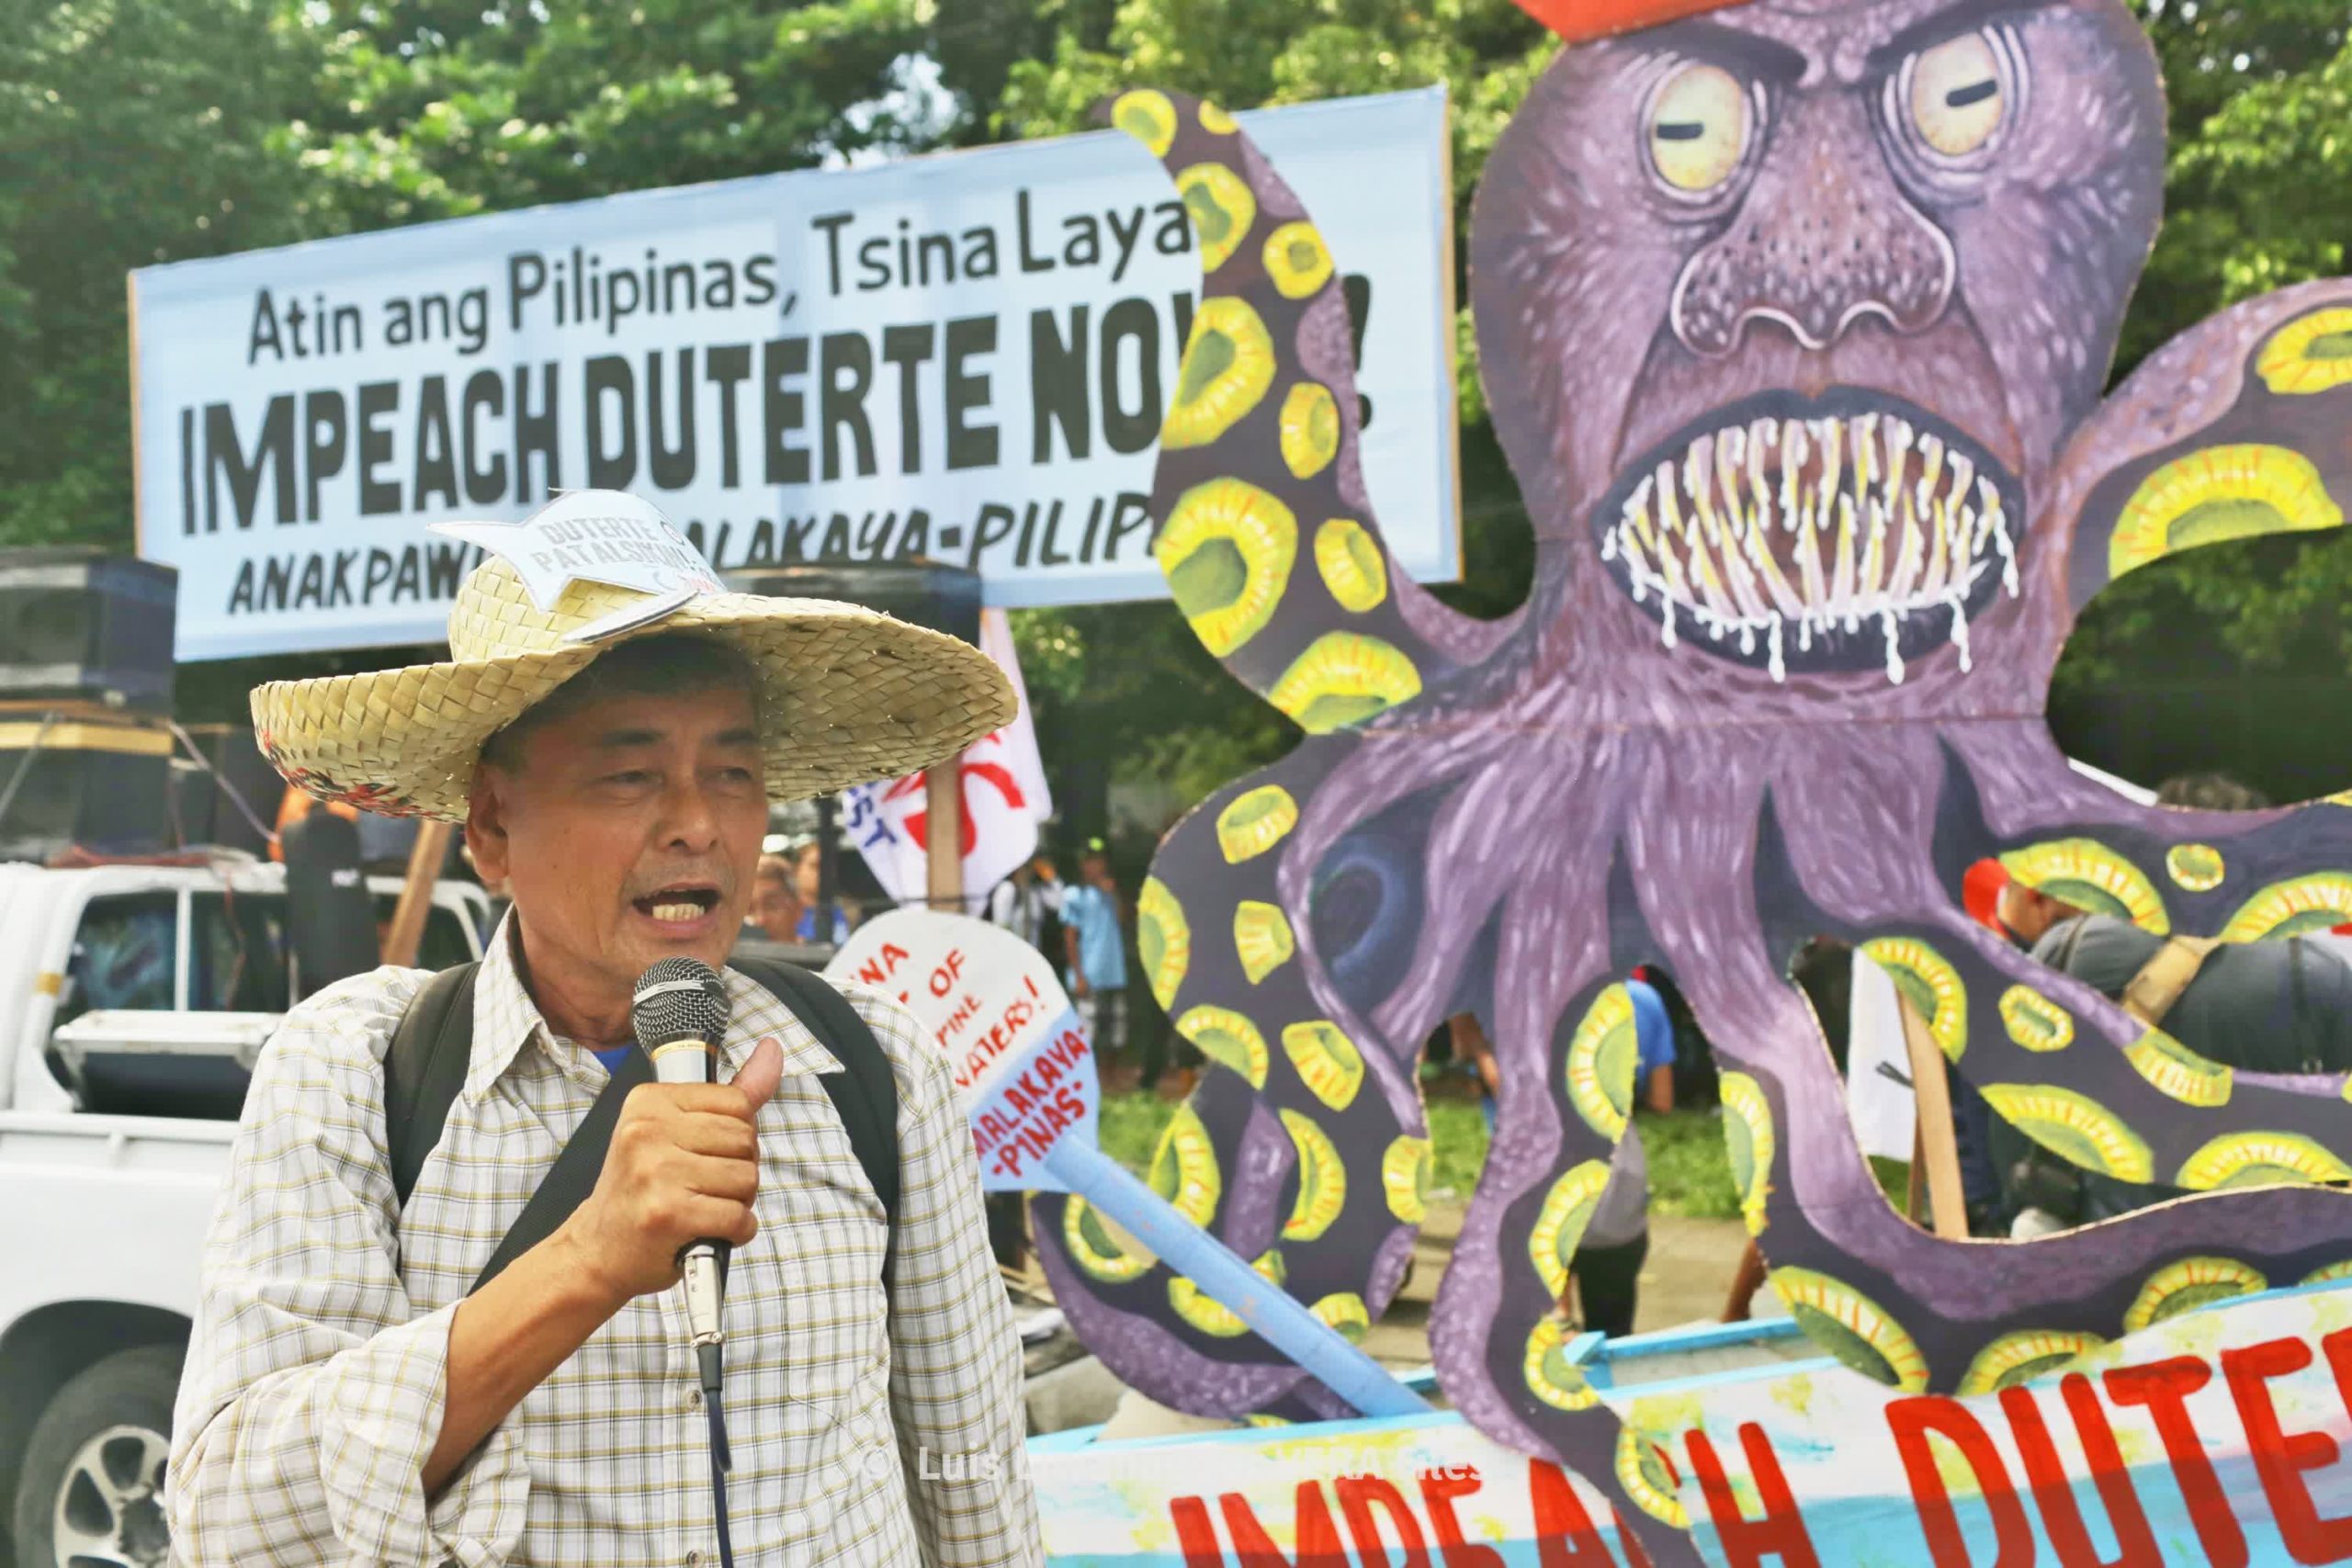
[1980,892]
[1576,20]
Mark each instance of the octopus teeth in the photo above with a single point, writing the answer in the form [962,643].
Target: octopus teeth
[1823,523]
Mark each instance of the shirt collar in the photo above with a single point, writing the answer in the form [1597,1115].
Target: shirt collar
[506,1019]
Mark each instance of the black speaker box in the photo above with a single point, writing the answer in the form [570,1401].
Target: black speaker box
[920,592]
[200,803]
[79,625]
[104,787]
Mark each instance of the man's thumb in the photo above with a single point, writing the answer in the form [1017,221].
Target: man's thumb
[760,1074]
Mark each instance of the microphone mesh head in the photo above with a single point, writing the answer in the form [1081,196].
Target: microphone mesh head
[680,998]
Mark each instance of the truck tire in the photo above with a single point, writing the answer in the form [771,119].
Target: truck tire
[91,1490]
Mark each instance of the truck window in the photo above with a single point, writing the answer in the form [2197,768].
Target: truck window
[237,952]
[126,954]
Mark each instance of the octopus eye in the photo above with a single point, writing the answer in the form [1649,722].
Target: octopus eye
[2188,1284]
[2087,875]
[1183,1169]
[2310,354]
[1322,1179]
[1550,1376]
[1147,117]
[1956,95]
[1091,1246]
[2259,1159]
[1221,208]
[2221,492]
[2306,904]
[2076,1127]
[2328,1273]
[1568,1209]
[1255,822]
[1163,939]
[1227,551]
[1601,1057]
[1327,1061]
[1405,1172]
[2014,1359]
[1852,1327]
[1699,128]
[1228,1037]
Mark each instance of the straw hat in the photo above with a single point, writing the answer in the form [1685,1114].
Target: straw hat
[846,695]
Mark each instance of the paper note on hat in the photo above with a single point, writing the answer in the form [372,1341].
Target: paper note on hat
[596,535]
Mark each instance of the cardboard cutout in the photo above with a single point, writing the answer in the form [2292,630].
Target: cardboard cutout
[1794,323]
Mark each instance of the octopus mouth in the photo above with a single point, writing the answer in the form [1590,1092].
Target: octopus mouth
[1815,534]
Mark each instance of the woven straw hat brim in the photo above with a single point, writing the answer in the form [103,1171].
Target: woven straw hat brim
[847,696]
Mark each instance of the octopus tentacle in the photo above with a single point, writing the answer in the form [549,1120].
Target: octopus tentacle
[1265,531]
[2232,429]
[1563,1037]
[1256,1155]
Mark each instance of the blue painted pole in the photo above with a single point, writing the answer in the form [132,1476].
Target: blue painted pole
[1274,1312]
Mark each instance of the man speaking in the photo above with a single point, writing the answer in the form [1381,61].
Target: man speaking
[377,1375]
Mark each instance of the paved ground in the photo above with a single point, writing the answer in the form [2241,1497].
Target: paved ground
[1684,1280]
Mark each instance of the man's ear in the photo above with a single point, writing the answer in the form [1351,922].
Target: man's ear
[486,823]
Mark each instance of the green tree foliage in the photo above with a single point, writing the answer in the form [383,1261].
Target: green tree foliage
[139,130]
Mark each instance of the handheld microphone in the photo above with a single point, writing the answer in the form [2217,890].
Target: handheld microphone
[678,1014]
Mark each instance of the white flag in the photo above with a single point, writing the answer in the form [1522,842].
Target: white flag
[1004,799]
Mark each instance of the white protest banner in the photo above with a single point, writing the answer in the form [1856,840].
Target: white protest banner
[965,356]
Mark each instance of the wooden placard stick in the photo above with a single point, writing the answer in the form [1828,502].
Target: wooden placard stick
[1934,1147]
[424,860]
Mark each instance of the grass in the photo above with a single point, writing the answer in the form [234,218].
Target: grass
[1689,1174]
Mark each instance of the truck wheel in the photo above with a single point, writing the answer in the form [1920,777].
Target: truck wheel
[91,1493]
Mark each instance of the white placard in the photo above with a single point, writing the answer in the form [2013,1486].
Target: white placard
[1024,1069]
[963,357]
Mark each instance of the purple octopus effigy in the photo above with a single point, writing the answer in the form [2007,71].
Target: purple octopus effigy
[1793,320]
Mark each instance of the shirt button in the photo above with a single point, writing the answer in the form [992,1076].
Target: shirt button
[693,1558]
[694,1399]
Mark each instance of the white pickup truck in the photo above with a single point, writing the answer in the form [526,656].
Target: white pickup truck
[133,999]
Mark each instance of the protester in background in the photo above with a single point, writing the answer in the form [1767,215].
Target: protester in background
[297,805]
[1022,901]
[775,899]
[815,925]
[1093,913]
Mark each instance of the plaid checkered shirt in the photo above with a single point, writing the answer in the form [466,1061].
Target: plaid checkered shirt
[861,1433]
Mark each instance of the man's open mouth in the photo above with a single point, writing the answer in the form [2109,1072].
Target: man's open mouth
[1815,534]
[680,904]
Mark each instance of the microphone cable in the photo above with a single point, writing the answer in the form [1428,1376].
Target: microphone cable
[709,1358]
[678,1014]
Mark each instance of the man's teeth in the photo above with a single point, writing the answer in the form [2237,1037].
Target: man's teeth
[1824,522]
[678,912]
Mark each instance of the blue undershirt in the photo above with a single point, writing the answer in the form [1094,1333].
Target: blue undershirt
[612,1058]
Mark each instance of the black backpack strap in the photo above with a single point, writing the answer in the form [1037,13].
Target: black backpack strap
[572,1177]
[425,1068]
[864,1094]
